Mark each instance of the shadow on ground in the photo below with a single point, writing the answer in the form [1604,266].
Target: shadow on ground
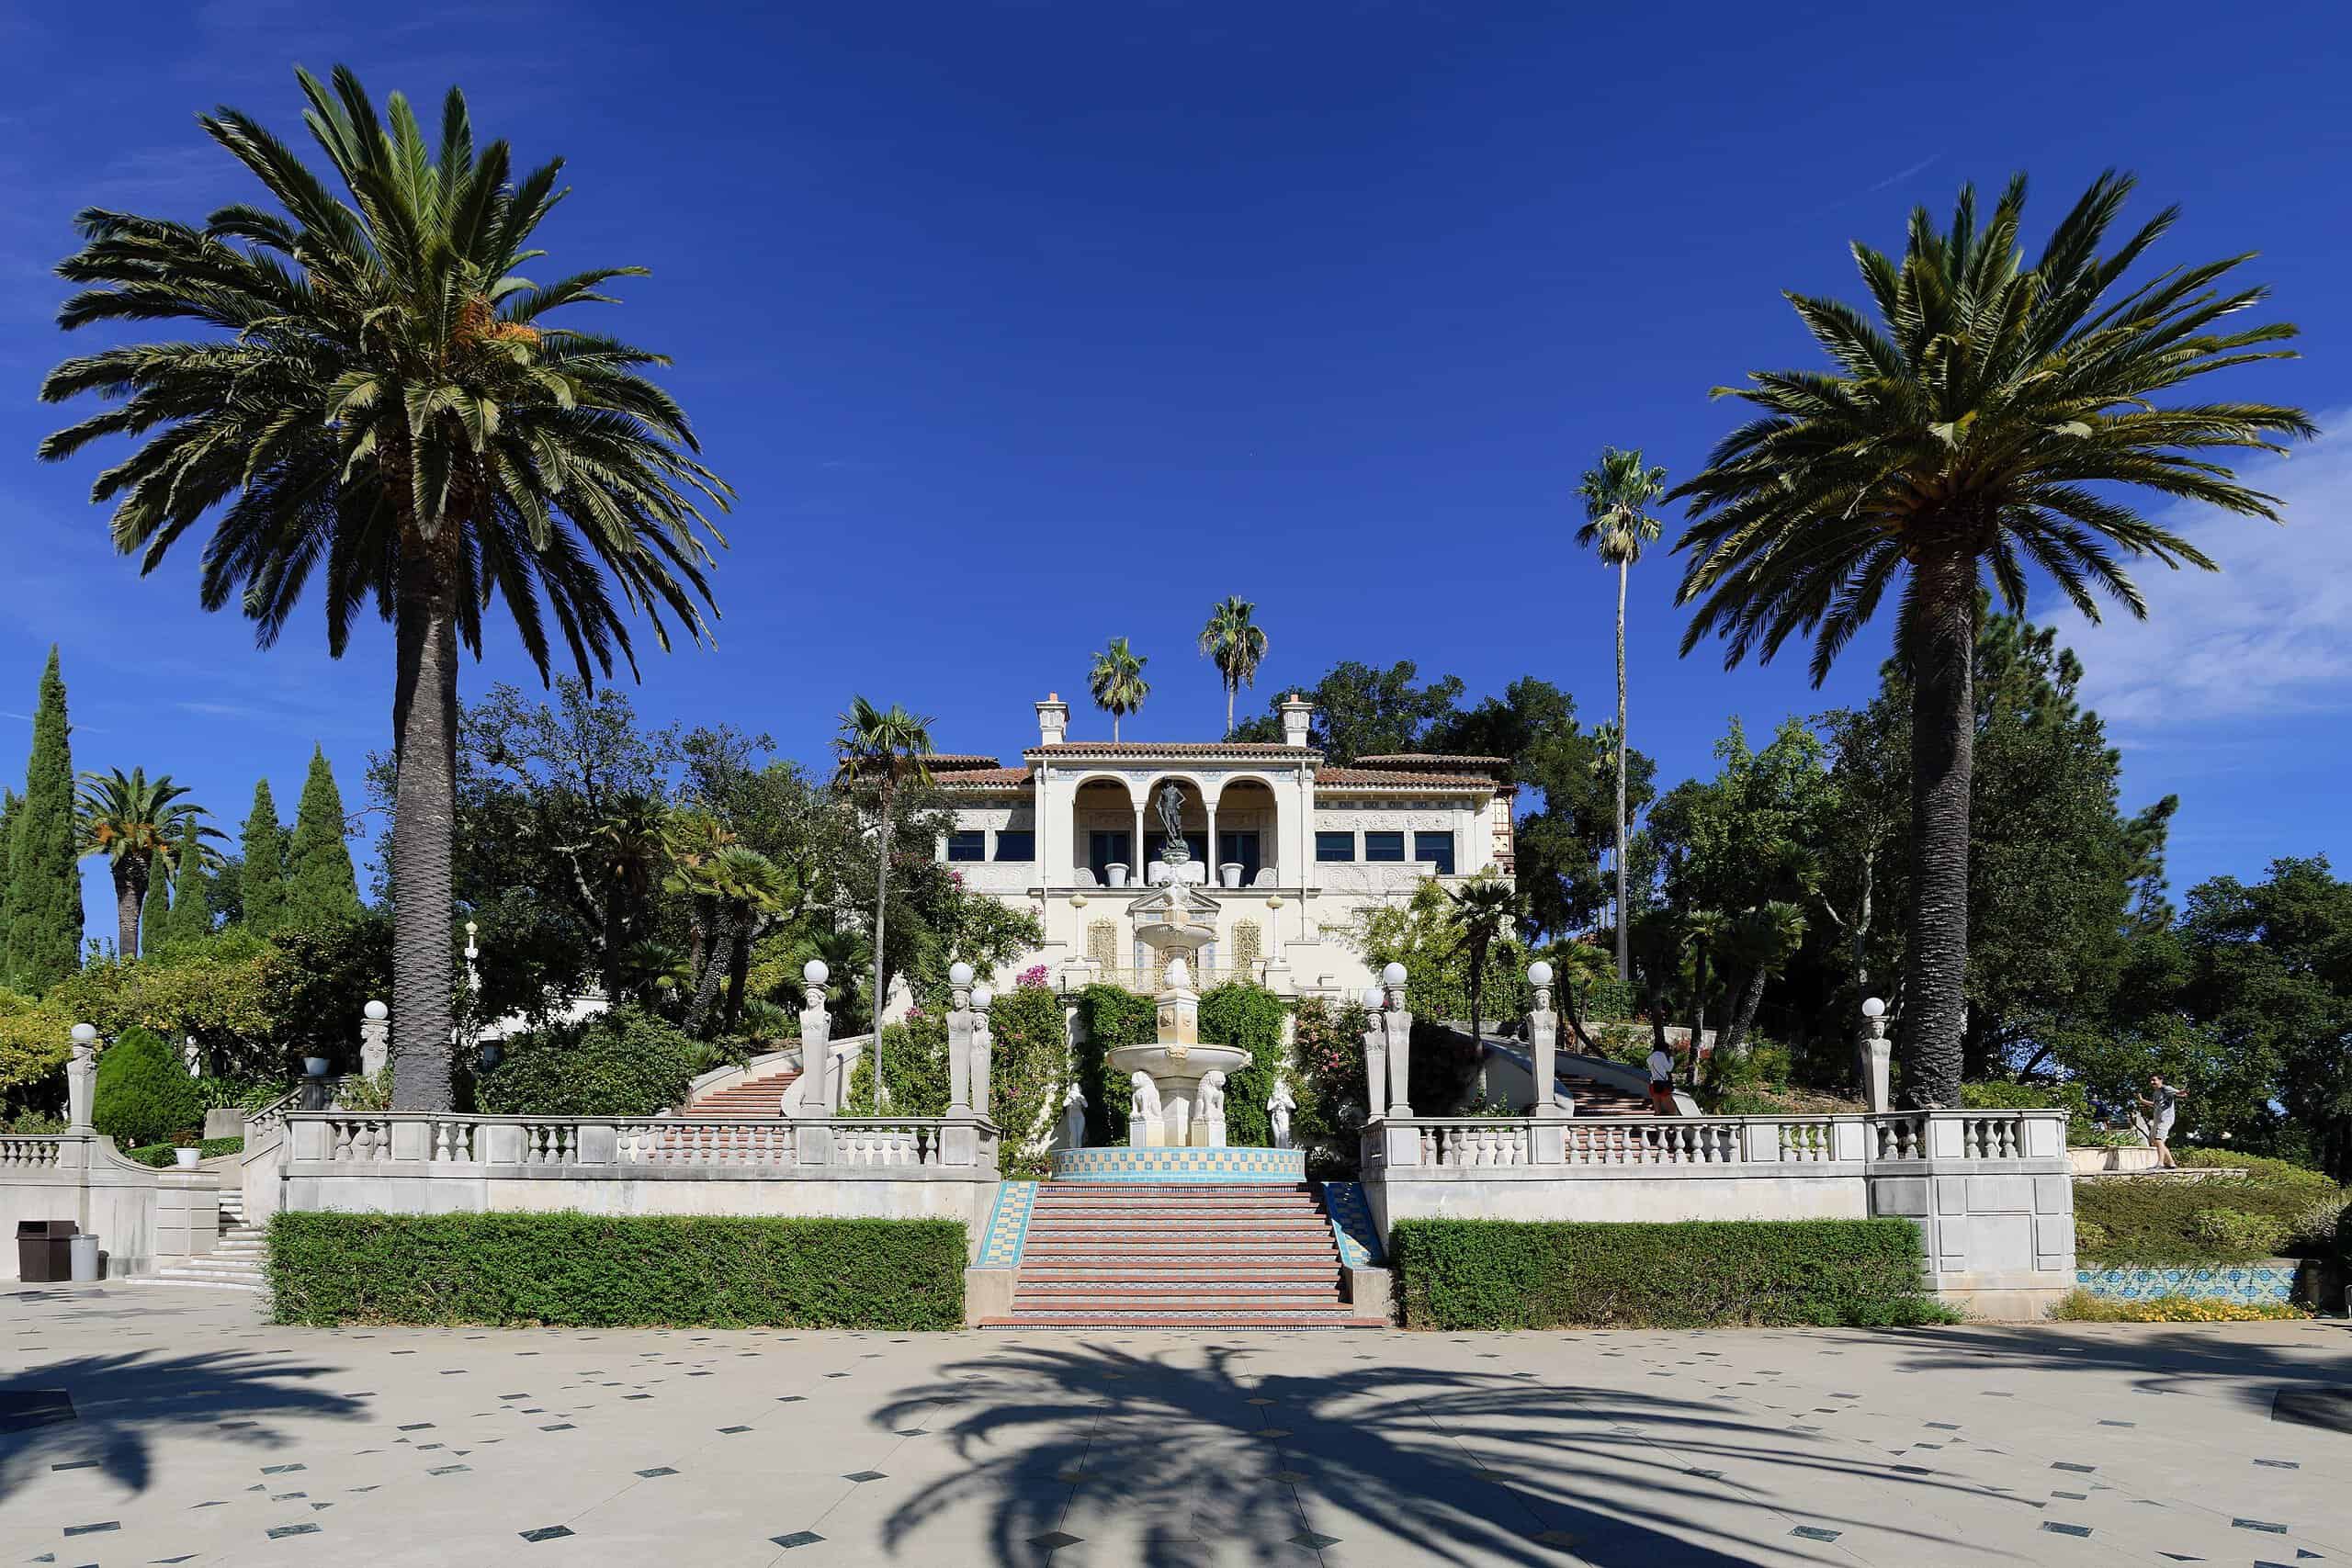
[1234,1459]
[109,1409]
[2155,1358]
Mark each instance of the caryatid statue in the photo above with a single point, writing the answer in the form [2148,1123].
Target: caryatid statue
[1278,1110]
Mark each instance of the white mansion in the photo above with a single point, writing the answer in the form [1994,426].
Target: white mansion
[1076,834]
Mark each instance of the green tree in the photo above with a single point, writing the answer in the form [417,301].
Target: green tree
[320,887]
[191,916]
[390,398]
[1617,496]
[1238,645]
[155,909]
[877,755]
[733,890]
[261,877]
[144,1094]
[1973,430]
[44,936]
[1484,911]
[1362,711]
[9,801]
[1116,681]
[137,824]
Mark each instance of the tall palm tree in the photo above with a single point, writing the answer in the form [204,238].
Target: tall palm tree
[1761,941]
[140,825]
[382,401]
[1995,416]
[1482,914]
[1116,681]
[731,890]
[1617,524]
[1237,644]
[881,752]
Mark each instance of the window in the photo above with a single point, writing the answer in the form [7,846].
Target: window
[1239,849]
[1384,846]
[968,844]
[1107,849]
[1437,850]
[1016,843]
[1335,846]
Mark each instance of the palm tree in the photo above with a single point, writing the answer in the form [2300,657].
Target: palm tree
[383,404]
[1983,423]
[731,890]
[615,868]
[1237,644]
[882,752]
[1117,682]
[1762,941]
[139,824]
[1617,524]
[1482,914]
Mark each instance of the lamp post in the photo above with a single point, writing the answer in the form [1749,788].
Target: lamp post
[81,1077]
[1878,1054]
[815,1042]
[959,1039]
[1542,1040]
[1397,1024]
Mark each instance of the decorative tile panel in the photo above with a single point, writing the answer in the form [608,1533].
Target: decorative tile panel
[1008,1225]
[1352,1228]
[2251,1284]
[1121,1164]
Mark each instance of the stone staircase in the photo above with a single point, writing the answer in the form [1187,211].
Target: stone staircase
[1207,1255]
[240,1262]
[1596,1099]
[753,1097]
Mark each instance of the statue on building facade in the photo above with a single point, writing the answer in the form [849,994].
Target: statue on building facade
[1171,817]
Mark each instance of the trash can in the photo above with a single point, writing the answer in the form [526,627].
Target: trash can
[84,1248]
[42,1254]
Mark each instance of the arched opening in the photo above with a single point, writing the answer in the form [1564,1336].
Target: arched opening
[1192,824]
[1248,844]
[1103,833]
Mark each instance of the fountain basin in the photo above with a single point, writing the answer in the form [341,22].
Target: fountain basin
[1177,1071]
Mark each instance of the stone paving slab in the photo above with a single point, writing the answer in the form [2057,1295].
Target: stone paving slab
[140,1425]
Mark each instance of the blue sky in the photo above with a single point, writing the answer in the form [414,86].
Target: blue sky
[1023,326]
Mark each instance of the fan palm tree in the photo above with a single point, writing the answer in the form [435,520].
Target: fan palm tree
[615,868]
[383,404]
[1238,645]
[1996,416]
[881,752]
[732,889]
[1617,524]
[140,825]
[1117,682]
[1761,941]
[1482,914]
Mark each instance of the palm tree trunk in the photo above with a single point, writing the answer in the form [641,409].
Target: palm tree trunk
[881,906]
[1115,727]
[1943,742]
[1735,1036]
[1624,966]
[425,815]
[1229,709]
[130,893]
[714,975]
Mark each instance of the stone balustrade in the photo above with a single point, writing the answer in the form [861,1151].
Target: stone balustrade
[34,1152]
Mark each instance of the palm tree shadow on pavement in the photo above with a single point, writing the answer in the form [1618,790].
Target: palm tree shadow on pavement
[110,1409]
[2159,1358]
[1230,1461]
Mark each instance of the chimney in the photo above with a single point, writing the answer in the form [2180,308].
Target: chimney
[1053,720]
[1296,711]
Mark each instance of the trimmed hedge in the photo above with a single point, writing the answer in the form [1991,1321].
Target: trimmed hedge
[143,1093]
[584,1270]
[167,1154]
[626,1062]
[2125,1222]
[1488,1274]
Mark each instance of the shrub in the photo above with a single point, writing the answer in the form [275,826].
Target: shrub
[1113,1016]
[1032,1050]
[2149,1224]
[2000,1094]
[583,1270]
[1485,1274]
[2312,1234]
[1329,1084]
[165,1154]
[2237,1233]
[626,1062]
[1251,1017]
[2344,1239]
[914,1069]
[2258,1167]
[143,1092]
[2081,1306]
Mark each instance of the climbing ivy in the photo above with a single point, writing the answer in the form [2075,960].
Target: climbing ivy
[1248,1017]
[1031,1052]
[1111,1016]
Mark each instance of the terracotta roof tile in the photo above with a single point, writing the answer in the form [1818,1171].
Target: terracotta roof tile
[1393,762]
[1171,748]
[960,761]
[1381,778]
[973,778]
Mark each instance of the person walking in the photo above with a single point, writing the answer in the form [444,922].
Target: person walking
[2161,1103]
[1661,1064]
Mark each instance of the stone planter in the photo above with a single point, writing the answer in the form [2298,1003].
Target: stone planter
[316,1067]
[1229,873]
[1116,875]
[187,1158]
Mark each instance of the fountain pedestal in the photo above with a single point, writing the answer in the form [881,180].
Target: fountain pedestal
[1174,923]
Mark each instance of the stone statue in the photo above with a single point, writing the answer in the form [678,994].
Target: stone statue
[1145,1104]
[1210,1101]
[1171,816]
[1278,1110]
[81,1082]
[1074,1117]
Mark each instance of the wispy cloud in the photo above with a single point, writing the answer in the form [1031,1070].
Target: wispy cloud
[1901,175]
[2265,638]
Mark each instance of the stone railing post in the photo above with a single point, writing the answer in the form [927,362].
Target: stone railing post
[983,1067]
[81,1077]
[375,1038]
[1375,1058]
[959,1039]
[816,1043]
[599,1143]
[310,1139]
[1878,1054]
[1398,1025]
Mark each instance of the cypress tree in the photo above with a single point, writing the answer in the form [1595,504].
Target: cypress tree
[156,911]
[320,887]
[262,878]
[191,917]
[9,801]
[44,941]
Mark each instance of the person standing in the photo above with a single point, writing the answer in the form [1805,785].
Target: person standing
[2161,1103]
[1661,1064]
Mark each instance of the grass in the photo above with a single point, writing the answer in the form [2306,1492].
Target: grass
[2081,1306]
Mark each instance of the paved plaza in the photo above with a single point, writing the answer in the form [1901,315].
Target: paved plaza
[146,1425]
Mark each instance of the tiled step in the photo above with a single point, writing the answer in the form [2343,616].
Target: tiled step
[760,1097]
[1239,1317]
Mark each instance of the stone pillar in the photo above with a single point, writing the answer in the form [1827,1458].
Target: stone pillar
[816,1043]
[982,1071]
[1375,1058]
[375,1040]
[187,1213]
[1542,1042]
[1139,875]
[81,1077]
[960,1030]
[1398,1025]
[1878,1054]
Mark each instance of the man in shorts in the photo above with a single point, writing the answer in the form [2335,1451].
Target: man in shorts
[2161,1103]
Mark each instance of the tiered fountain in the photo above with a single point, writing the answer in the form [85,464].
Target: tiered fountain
[1173,1112]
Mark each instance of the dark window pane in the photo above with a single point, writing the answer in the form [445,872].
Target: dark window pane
[1238,849]
[1335,846]
[1016,844]
[1107,849]
[970,843]
[1437,849]
[1384,846]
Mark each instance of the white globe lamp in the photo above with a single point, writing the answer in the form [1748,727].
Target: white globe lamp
[377,1013]
[85,1034]
[959,974]
[1393,975]
[1872,1007]
[984,998]
[1539,973]
[814,972]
